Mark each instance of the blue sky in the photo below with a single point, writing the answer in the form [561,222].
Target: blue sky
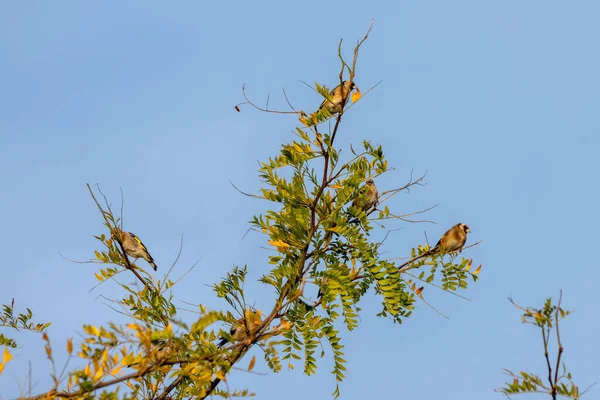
[497,100]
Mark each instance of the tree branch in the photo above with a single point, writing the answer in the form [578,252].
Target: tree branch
[108,224]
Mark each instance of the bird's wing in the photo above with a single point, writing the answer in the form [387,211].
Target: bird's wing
[439,243]
[142,245]
[332,95]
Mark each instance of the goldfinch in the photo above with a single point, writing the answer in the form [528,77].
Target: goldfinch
[134,247]
[368,198]
[243,327]
[453,240]
[339,97]
[162,350]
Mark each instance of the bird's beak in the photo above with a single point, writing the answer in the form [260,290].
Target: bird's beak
[468,230]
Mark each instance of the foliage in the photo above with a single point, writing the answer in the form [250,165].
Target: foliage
[559,381]
[319,239]
[17,322]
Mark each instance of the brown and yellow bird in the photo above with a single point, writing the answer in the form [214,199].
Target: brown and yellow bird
[243,327]
[339,97]
[453,240]
[368,198]
[134,247]
[161,351]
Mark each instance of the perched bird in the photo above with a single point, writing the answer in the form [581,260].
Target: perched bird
[134,247]
[243,327]
[368,198]
[324,281]
[162,350]
[339,97]
[454,239]
[166,349]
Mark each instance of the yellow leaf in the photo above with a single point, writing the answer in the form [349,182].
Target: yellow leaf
[98,374]
[6,357]
[252,362]
[1,368]
[468,267]
[116,370]
[477,270]
[132,326]
[278,243]
[285,324]
[356,95]
[92,330]
[70,346]
[291,366]
[104,356]
[420,290]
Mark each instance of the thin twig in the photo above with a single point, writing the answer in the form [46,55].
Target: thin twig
[560,347]
[422,298]
[545,340]
[248,101]
[437,286]
[246,194]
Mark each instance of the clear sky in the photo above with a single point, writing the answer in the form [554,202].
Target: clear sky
[497,100]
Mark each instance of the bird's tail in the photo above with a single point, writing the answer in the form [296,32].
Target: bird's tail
[320,294]
[153,264]
[436,249]
[352,220]
[308,306]
[222,342]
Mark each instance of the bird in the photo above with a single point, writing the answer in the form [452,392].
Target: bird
[162,350]
[242,327]
[453,240]
[134,247]
[339,97]
[324,281]
[368,198]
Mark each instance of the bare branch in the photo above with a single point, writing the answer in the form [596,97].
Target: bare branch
[248,101]
[437,286]
[560,347]
[423,298]
[247,194]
